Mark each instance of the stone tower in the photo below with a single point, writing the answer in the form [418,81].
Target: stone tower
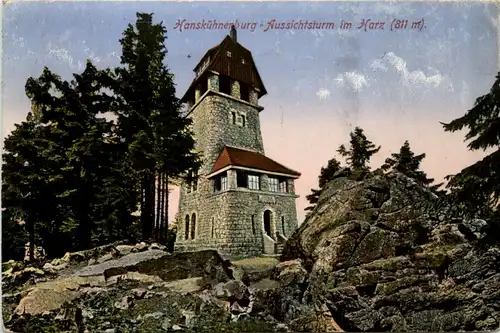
[243,203]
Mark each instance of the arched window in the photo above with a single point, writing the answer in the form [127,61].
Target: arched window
[283,225]
[187,227]
[193,226]
[253,224]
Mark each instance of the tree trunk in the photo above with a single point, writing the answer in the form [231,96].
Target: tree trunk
[144,209]
[158,207]
[165,206]
[31,239]
[149,206]
[161,205]
[152,189]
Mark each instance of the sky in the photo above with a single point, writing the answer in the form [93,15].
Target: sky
[397,85]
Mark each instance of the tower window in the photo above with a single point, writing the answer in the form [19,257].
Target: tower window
[244,92]
[253,182]
[242,61]
[193,226]
[213,227]
[193,182]
[217,184]
[243,120]
[273,184]
[241,179]
[233,115]
[187,228]
[283,186]
[225,84]
[221,183]
[203,85]
[283,225]
[253,224]
[228,53]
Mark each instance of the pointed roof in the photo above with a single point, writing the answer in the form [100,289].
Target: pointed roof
[231,156]
[218,64]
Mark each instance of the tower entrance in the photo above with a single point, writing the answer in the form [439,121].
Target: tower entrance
[267,222]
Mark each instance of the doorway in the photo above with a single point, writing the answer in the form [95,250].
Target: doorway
[267,222]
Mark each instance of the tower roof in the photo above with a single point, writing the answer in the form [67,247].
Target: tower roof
[229,58]
[231,156]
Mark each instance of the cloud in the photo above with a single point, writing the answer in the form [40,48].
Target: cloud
[63,55]
[352,80]
[323,93]
[89,53]
[418,77]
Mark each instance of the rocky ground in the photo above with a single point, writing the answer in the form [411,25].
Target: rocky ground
[384,254]
[142,288]
[378,253]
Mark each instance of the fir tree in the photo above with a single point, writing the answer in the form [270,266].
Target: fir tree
[32,184]
[326,174]
[89,198]
[360,151]
[478,185]
[157,137]
[408,164]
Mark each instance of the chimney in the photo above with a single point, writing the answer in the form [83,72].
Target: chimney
[233,33]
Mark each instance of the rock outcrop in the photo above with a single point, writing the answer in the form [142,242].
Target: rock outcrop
[150,290]
[385,254]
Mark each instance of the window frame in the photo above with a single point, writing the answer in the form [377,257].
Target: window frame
[253,180]
[274,184]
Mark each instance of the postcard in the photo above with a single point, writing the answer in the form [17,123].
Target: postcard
[250,166]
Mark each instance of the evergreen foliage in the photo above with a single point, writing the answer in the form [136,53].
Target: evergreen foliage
[408,164]
[360,151]
[326,174]
[71,178]
[478,185]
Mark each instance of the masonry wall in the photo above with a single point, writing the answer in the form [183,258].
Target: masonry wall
[231,213]
[213,127]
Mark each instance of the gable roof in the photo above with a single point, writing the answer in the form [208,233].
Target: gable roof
[218,64]
[231,156]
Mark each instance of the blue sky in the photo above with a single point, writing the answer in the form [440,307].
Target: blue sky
[397,85]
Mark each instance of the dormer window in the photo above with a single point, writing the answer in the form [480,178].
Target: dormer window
[228,53]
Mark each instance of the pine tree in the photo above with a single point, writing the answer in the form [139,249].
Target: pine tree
[326,174]
[31,179]
[360,151]
[92,202]
[408,164]
[156,135]
[478,185]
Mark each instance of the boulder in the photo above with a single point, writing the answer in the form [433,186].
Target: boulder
[384,253]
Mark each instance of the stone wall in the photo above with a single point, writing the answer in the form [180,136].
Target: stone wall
[212,124]
[238,217]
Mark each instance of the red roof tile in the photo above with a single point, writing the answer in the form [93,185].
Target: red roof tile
[249,159]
